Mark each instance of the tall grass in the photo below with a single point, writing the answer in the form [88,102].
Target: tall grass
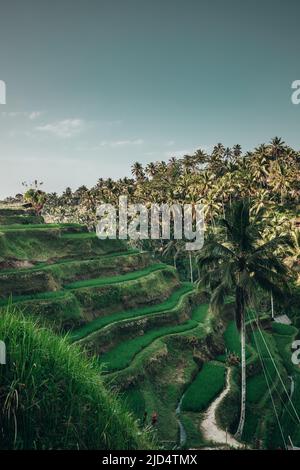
[52,397]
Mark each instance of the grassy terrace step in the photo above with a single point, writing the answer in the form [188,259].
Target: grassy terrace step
[110,336]
[66,262]
[32,227]
[209,382]
[71,308]
[258,397]
[42,244]
[155,355]
[102,322]
[117,279]
[88,284]
[52,277]
[20,219]
[80,236]
[233,342]
[120,357]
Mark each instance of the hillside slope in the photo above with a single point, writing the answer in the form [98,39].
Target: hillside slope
[51,397]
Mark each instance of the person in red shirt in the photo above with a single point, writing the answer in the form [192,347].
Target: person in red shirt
[154,418]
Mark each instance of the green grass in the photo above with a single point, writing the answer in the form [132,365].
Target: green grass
[79,236]
[257,386]
[20,219]
[118,279]
[88,284]
[52,277]
[99,323]
[39,296]
[282,329]
[53,398]
[233,342]
[232,339]
[209,382]
[190,422]
[39,245]
[66,262]
[22,227]
[121,356]
[135,401]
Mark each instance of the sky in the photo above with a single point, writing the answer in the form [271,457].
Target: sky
[94,85]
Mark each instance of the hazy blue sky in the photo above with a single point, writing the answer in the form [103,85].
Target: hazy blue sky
[93,85]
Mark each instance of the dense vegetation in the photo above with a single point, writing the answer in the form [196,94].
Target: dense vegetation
[149,327]
[52,397]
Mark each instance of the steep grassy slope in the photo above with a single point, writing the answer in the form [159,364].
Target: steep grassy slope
[53,398]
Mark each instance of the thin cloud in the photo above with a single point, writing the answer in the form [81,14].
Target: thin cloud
[120,143]
[65,129]
[169,143]
[32,115]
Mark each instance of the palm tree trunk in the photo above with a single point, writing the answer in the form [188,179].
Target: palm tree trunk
[191,267]
[241,319]
[272,305]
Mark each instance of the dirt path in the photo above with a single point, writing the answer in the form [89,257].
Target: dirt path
[211,431]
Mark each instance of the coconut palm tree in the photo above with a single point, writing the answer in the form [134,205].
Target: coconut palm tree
[189,163]
[277,146]
[151,169]
[237,151]
[236,259]
[138,171]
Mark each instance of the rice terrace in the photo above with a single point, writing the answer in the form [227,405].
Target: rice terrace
[129,344]
[149,232]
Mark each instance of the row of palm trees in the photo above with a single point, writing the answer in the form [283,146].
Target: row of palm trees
[269,176]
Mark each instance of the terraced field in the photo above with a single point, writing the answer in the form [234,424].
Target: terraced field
[144,326]
[153,337]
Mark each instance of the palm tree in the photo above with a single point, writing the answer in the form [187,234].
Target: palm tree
[201,157]
[277,146]
[236,259]
[138,171]
[151,169]
[189,163]
[237,151]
